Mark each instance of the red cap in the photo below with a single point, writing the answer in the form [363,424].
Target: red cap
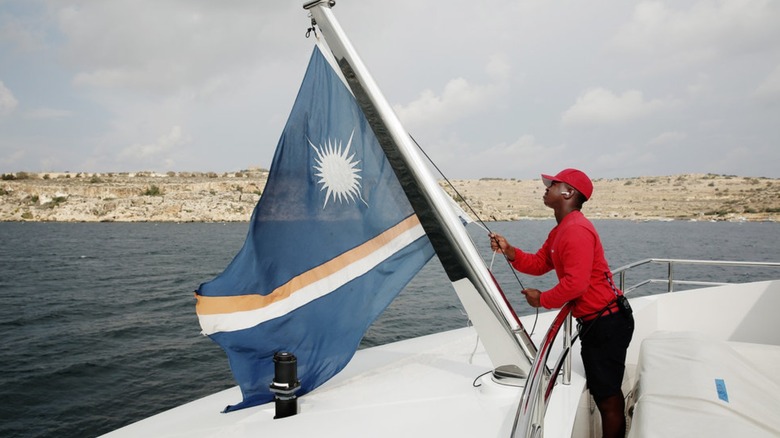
[573,177]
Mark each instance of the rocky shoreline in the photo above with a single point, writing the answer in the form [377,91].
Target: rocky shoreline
[231,197]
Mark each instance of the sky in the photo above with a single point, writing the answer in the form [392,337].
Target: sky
[489,88]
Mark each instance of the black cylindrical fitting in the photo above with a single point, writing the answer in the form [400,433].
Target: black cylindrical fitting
[285,384]
[285,368]
[286,407]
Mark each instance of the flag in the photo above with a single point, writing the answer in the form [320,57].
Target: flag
[331,242]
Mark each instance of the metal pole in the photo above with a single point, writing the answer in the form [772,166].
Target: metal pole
[567,346]
[502,334]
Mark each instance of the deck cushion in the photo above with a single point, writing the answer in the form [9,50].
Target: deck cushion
[691,385]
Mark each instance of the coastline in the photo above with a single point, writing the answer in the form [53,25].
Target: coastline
[232,196]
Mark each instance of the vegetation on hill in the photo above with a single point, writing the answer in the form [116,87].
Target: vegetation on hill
[230,197]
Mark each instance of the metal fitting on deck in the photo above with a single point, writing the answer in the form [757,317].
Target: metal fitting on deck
[285,384]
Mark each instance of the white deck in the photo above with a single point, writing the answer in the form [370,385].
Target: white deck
[423,386]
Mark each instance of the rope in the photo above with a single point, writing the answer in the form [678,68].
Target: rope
[480,221]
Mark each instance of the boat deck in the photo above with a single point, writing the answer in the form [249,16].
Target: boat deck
[426,386]
[418,387]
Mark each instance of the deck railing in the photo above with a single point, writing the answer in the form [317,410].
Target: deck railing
[671,263]
[529,419]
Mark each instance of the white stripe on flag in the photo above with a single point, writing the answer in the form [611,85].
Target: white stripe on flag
[230,322]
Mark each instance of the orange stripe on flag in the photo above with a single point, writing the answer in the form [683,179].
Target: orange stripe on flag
[243,303]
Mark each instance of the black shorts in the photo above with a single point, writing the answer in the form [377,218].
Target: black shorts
[604,343]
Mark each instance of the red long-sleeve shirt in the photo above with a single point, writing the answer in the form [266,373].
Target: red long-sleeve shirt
[574,250]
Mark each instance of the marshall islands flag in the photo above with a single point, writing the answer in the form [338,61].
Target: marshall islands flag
[331,242]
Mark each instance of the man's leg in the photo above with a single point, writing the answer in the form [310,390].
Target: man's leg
[613,417]
[604,344]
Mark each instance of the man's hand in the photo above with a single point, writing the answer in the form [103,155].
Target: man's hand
[533,296]
[499,244]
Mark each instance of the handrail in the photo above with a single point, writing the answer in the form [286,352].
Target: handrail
[529,419]
[670,281]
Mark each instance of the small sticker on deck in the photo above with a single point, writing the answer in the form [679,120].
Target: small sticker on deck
[720,386]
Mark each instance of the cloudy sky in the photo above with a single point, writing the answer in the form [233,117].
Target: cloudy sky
[490,88]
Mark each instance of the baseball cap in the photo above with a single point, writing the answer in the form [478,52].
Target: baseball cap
[573,177]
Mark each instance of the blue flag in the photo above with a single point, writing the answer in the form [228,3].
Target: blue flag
[331,242]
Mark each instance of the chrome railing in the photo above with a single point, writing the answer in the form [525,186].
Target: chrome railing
[529,418]
[671,263]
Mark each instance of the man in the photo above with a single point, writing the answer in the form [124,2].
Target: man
[574,250]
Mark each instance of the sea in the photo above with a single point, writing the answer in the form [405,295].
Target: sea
[98,320]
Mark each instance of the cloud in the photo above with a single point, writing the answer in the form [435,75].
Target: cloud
[523,156]
[180,46]
[529,85]
[22,35]
[670,137]
[8,102]
[769,89]
[626,158]
[458,99]
[12,158]
[525,146]
[601,106]
[498,68]
[145,153]
[47,113]
[703,31]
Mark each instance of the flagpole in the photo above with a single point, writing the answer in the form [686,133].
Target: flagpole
[502,334]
